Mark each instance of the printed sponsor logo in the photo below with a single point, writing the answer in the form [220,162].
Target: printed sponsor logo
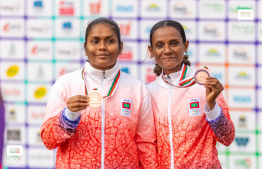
[40,92]
[11,27]
[67,52]
[148,29]
[242,121]
[150,76]
[10,7]
[153,7]
[181,8]
[36,50]
[126,54]
[14,155]
[242,75]
[124,8]
[37,115]
[242,99]
[12,92]
[241,53]
[66,8]
[211,30]
[241,141]
[212,6]
[65,70]
[39,29]
[38,137]
[125,69]
[239,7]
[246,163]
[67,26]
[12,115]
[12,71]
[213,52]
[95,7]
[13,134]
[38,5]
[125,28]
[187,29]
[12,50]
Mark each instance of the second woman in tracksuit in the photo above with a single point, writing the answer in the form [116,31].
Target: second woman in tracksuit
[190,118]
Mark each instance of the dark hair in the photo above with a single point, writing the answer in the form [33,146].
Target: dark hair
[179,28]
[104,20]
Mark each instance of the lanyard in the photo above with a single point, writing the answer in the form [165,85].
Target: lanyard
[183,83]
[112,88]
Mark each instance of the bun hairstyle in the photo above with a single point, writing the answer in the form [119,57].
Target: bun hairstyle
[180,29]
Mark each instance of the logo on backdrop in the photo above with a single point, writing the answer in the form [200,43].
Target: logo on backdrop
[242,121]
[211,30]
[243,75]
[66,8]
[150,76]
[127,54]
[241,53]
[36,50]
[245,17]
[12,71]
[40,92]
[95,7]
[14,155]
[153,7]
[125,69]
[242,141]
[181,8]
[212,52]
[242,99]
[125,28]
[246,163]
[38,5]
[124,8]
[11,27]
[67,27]
[10,7]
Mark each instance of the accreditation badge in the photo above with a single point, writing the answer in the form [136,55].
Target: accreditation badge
[194,107]
[95,99]
[126,106]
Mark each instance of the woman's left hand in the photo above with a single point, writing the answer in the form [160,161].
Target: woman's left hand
[213,89]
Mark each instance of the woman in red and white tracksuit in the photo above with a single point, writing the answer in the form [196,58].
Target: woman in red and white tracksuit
[118,134]
[190,118]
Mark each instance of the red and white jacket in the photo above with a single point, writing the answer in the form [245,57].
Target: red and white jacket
[186,129]
[106,137]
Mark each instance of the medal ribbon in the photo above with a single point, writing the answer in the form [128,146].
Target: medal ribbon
[112,88]
[183,83]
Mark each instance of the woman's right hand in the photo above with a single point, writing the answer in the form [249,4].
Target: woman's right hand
[77,103]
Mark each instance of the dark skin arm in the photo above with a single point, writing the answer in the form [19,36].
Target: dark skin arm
[213,89]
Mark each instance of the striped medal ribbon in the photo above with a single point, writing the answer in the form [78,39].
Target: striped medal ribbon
[112,88]
[183,82]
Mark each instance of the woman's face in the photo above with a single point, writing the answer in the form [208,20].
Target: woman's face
[168,49]
[102,47]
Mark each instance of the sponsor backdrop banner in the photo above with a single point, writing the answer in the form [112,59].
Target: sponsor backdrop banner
[41,40]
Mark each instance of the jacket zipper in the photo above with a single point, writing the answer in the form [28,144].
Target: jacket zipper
[103,123]
[170,126]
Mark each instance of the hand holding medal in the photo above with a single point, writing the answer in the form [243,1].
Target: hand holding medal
[212,85]
[77,103]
